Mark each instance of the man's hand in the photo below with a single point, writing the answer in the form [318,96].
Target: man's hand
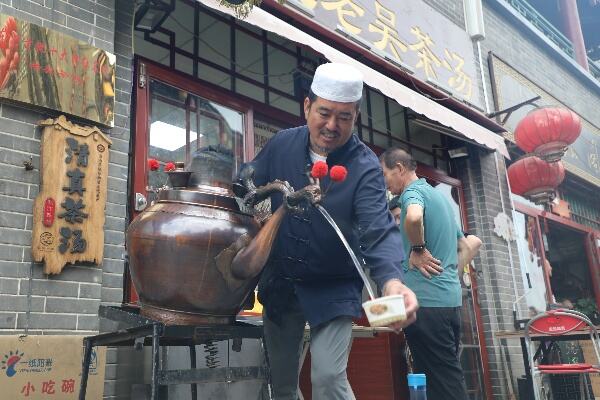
[468,247]
[394,286]
[425,262]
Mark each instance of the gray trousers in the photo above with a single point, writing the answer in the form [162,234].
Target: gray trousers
[329,348]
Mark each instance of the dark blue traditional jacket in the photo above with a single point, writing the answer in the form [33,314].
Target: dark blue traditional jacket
[308,258]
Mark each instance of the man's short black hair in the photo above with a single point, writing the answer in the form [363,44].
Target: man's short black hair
[395,155]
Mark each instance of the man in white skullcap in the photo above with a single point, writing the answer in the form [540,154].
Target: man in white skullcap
[309,276]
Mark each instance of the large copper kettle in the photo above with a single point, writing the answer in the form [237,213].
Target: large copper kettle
[194,256]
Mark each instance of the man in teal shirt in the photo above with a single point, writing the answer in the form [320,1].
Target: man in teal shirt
[431,236]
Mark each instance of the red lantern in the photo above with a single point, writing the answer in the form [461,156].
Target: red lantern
[547,132]
[535,179]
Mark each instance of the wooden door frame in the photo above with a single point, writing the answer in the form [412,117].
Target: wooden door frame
[587,232]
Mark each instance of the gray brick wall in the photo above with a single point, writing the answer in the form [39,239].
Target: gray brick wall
[67,302]
[451,9]
[122,364]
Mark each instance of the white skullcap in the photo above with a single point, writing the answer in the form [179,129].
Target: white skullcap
[337,82]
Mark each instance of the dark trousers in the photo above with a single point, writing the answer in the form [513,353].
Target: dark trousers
[434,340]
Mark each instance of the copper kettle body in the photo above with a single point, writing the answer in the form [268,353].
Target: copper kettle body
[180,252]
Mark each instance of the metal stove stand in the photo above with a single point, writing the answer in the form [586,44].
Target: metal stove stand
[139,331]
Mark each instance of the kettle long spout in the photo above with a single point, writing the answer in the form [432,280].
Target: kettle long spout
[250,260]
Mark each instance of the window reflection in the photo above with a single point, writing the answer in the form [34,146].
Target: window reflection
[182,123]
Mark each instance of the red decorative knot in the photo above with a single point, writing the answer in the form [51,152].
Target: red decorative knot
[547,132]
[319,170]
[153,164]
[170,166]
[338,173]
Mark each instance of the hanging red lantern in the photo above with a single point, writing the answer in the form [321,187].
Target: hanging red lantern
[535,179]
[547,132]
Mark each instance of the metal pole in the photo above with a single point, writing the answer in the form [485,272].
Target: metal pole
[194,386]
[156,331]
[85,368]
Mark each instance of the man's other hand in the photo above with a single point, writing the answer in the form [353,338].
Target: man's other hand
[426,263]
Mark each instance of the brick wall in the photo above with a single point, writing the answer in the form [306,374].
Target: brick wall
[28,298]
[68,302]
[122,364]
[451,9]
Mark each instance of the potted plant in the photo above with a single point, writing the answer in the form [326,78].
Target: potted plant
[587,306]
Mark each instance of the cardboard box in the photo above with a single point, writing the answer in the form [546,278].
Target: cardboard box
[48,367]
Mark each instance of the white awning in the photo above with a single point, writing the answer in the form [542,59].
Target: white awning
[403,95]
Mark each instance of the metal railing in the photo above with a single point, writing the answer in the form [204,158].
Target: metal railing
[552,33]
[594,69]
[537,20]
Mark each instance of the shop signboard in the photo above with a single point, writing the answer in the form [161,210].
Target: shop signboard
[408,33]
[263,131]
[68,213]
[511,87]
[45,68]
[48,367]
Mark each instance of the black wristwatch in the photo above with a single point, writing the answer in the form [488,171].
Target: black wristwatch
[418,248]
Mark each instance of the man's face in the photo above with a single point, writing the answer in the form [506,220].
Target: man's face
[395,178]
[330,123]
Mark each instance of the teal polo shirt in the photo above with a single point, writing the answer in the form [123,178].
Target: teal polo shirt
[441,236]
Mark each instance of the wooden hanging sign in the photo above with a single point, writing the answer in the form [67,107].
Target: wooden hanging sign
[69,211]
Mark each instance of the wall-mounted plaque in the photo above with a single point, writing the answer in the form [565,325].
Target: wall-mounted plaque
[68,213]
[45,68]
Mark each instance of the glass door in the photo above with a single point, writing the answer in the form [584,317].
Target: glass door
[175,117]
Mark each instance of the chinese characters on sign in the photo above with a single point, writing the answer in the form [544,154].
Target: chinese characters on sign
[69,210]
[45,68]
[38,367]
[66,386]
[407,32]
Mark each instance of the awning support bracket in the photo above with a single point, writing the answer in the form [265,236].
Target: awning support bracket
[508,111]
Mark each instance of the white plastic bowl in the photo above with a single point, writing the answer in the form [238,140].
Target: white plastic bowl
[384,311]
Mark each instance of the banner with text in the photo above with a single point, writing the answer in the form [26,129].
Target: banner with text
[45,68]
